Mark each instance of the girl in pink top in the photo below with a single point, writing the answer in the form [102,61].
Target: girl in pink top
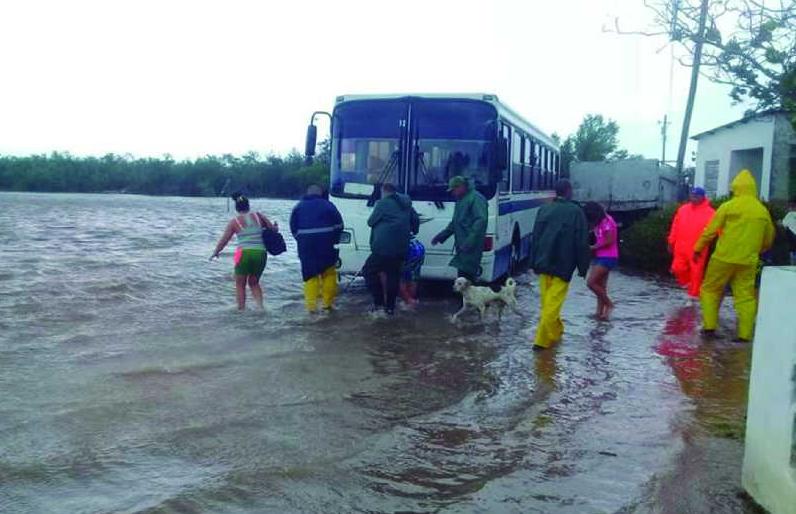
[606,256]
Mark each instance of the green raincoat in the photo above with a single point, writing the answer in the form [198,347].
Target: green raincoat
[468,227]
[560,240]
[392,222]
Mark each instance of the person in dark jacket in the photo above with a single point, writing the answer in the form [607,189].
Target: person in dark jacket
[468,228]
[316,225]
[560,246]
[392,224]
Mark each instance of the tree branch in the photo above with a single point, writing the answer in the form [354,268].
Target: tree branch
[618,30]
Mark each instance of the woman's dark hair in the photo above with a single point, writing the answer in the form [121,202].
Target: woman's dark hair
[594,212]
[241,202]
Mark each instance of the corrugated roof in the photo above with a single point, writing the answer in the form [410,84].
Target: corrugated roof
[745,119]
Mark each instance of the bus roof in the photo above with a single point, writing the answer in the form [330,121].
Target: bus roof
[503,110]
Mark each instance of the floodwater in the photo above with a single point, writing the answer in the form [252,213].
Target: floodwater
[129,383]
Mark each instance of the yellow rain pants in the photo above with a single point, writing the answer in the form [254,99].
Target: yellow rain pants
[741,278]
[324,287]
[553,291]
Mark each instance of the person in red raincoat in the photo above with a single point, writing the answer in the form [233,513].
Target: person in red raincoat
[689,222]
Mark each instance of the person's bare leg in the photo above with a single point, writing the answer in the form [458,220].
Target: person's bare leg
[240,291]
[412,287]
[406,295]
[608,306]
[408,291]
[594,284]
[597,283]
[257,291]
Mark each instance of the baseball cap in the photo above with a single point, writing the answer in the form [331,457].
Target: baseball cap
[456,181]
[698,191]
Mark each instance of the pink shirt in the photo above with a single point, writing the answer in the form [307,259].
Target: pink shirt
[601,231]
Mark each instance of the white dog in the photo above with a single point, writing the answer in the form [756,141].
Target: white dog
[477,297]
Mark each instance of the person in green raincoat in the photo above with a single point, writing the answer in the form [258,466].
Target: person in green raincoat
[468,228]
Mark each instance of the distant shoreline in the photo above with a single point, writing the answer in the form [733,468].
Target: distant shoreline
[208,177]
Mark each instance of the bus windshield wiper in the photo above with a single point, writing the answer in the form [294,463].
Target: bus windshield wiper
[391,165]
[420,165]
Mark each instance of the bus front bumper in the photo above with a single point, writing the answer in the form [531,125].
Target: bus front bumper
[436,266]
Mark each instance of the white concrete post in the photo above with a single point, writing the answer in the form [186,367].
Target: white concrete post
[769,468]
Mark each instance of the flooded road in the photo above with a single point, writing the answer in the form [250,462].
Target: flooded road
[130,384]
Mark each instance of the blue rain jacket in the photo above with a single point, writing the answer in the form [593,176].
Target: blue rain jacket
[316,225]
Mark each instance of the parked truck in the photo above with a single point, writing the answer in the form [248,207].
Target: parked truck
[628,189]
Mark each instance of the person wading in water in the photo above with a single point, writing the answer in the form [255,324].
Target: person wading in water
[606,256]
[250,256]
[744,228]
[561,245]
[468,228]
[316,225]
[688,224]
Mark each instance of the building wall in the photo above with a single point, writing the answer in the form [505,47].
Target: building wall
[719,147]
[781,174]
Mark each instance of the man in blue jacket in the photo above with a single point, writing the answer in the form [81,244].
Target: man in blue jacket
[316,225]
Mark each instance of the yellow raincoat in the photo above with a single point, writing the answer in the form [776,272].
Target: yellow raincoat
[746,231]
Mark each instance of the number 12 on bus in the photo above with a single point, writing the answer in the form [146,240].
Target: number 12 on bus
[418,143]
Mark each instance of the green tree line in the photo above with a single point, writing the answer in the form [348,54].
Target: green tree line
[285,176]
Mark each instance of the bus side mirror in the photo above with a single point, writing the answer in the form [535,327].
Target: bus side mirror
[309,145]
[502,153]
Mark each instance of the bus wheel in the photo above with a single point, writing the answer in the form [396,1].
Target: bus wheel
[516,253]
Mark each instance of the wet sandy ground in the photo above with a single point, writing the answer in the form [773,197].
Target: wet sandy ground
[130,384]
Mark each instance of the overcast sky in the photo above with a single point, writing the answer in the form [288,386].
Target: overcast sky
[194,77]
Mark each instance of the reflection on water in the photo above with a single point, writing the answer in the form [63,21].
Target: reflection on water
[131,384]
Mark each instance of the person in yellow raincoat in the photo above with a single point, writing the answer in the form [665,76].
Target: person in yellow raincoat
[746,231]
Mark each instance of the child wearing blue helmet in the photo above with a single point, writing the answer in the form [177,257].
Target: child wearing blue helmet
[410,274]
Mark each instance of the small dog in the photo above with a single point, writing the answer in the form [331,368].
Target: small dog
[477,297]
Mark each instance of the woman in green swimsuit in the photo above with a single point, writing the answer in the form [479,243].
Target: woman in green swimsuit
[250,253]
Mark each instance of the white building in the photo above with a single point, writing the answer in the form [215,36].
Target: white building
[764,143]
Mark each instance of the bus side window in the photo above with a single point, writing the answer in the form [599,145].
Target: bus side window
[516,162]
[548,175]
[527,164]
[504,184]
[557,166]
[542,167]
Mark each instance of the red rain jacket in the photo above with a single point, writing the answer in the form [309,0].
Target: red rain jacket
[689,223]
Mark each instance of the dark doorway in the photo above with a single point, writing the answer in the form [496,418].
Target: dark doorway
[750,159]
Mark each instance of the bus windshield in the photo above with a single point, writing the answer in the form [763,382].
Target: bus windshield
[375,141]
[366,143]
[452,137]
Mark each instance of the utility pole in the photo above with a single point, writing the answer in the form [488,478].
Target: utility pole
[664,130]
[689,108]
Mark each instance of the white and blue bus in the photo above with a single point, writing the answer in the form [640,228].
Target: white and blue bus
[418,142]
